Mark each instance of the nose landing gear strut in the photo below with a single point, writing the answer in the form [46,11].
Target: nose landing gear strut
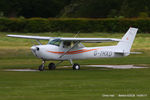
[41,67]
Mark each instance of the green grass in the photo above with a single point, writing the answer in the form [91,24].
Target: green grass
[74,85]
[66,84]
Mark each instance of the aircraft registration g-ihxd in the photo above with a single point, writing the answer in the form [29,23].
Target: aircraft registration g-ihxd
[63,49]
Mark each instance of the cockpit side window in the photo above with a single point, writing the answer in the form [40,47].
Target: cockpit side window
[67,44]
[55,42]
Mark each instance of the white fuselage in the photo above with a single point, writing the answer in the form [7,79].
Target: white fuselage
[62,49]
[52,52]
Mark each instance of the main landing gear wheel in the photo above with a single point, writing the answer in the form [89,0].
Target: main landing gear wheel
[76,67]
[51,66]
[41,67]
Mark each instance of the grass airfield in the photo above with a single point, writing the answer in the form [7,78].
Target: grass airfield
[65,83]
[68,84]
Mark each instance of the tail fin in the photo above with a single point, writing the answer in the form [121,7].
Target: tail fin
[127,40]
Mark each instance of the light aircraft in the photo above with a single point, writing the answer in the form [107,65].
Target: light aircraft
[68,49]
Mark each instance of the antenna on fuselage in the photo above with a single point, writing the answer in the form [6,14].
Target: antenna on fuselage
[76,34]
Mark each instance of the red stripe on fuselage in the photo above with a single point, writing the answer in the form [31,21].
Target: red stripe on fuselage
[74,52]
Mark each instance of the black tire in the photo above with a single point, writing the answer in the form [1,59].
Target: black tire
[76,66]
[51,66]
[41,67]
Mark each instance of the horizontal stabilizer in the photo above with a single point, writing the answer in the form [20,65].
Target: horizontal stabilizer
[128,52]
[135,52]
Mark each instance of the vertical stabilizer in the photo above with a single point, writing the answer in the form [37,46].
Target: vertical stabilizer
[127,40]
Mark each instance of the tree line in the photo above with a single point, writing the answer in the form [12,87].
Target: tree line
[75,8]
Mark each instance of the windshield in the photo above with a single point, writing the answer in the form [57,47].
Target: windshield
[55,42]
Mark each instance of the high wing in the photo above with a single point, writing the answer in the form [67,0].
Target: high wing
[30,37]
[86,40]
[91,40]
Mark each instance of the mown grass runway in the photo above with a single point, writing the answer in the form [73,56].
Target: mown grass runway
[66,84]
[75,85]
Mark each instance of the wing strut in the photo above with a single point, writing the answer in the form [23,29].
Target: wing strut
[70,49]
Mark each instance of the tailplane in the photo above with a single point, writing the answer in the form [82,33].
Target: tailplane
[127,40]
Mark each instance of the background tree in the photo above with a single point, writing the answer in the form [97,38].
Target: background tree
[32,8]
[75,8]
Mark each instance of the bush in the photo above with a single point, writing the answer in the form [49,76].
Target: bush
[72,25]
